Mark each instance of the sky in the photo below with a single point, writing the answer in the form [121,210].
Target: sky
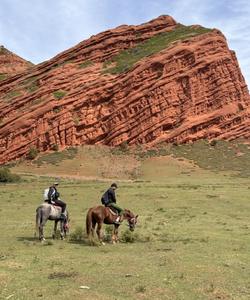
[37,30]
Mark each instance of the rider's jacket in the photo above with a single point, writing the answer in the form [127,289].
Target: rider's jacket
[53,194]
[108,197]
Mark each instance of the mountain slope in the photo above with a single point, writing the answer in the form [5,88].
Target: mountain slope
[11,64]
[159,81]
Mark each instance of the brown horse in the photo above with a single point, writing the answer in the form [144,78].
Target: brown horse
[101,214]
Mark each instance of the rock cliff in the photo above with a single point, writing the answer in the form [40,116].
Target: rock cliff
[157,82]
[11,64]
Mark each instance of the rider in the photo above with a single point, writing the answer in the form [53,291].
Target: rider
[53,197]
[109,200]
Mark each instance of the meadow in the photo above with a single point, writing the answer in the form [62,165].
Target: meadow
[192,240]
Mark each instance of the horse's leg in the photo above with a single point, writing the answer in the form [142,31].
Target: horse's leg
[61,230]
[113,238]
[42,224]
[93,228]
[116,233]
[99,233]
[55,228]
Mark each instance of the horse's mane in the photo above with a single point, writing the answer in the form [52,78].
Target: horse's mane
[128,212]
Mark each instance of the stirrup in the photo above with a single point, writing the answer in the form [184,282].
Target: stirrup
[118,220]
[63,216]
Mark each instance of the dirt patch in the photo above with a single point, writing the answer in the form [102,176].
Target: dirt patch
[60,275]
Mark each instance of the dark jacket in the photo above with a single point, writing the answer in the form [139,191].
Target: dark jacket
[108,197]
[53,194]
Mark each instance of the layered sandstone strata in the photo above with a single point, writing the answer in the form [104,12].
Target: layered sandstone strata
[191,89]
[11,64]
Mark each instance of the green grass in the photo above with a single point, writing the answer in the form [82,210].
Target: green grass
[56,157]
[31,84]
[59,94]
[86,64]
[58,65]
[224,156]
[12,94]
[36,101]
[192,240]
[127,58]
[3,76]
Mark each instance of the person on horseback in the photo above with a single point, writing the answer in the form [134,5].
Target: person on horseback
[53,198]
[109,200]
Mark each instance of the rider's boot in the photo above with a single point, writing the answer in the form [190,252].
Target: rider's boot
[63,216]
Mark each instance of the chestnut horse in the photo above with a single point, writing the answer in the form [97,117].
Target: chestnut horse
[101,214]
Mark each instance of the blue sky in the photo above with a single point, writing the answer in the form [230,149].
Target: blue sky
[39,29]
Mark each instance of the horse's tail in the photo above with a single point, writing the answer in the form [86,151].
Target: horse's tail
[89,222]
[38,219]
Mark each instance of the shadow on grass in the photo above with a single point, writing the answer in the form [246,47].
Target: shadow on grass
[27,238]
[79,242]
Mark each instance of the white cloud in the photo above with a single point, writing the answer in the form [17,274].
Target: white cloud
[38,30]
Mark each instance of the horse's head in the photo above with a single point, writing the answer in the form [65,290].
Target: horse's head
[131,218]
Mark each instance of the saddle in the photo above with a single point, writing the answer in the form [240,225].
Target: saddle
[112,211]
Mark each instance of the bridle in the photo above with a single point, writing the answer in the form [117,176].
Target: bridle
[131,223]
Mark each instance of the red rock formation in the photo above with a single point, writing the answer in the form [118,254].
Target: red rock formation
[11,64]
[190,90]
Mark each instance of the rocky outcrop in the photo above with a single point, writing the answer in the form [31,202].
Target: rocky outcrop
[11,64]
[188,89]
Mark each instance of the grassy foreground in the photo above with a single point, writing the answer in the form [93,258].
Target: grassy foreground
[192,240]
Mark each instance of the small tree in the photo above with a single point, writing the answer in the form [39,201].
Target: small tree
[55,147]
[6,176]
[213,143]
[32,154]
[124,146]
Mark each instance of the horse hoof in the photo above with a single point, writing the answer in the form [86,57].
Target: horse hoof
[43,240]
[53,236]
[103,243]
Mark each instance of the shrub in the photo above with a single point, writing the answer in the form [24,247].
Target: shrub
[124,146]
[128,236]
[213,143]
[6,176]
[108,233]
[55,147]
[86,64]
[77,235]
[59,94]
[3,76]
[140,289]
[32,154]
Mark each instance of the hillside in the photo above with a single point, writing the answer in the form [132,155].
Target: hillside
[157,82]
[11,64]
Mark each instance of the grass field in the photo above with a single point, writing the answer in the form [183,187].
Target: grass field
[192,240]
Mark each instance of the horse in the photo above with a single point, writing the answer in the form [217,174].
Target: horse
[101,214]
[46,212]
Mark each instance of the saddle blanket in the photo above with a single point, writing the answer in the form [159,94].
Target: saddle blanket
[55,211]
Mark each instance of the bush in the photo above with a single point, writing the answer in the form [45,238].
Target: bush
[128,236]
[55,147]
[124,146]
[86,64]
[108,233]
[213,143]
[59,94]
[6,176]
[77,235]
[32,154]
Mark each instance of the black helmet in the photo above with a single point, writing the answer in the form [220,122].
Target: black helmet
[114,185]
